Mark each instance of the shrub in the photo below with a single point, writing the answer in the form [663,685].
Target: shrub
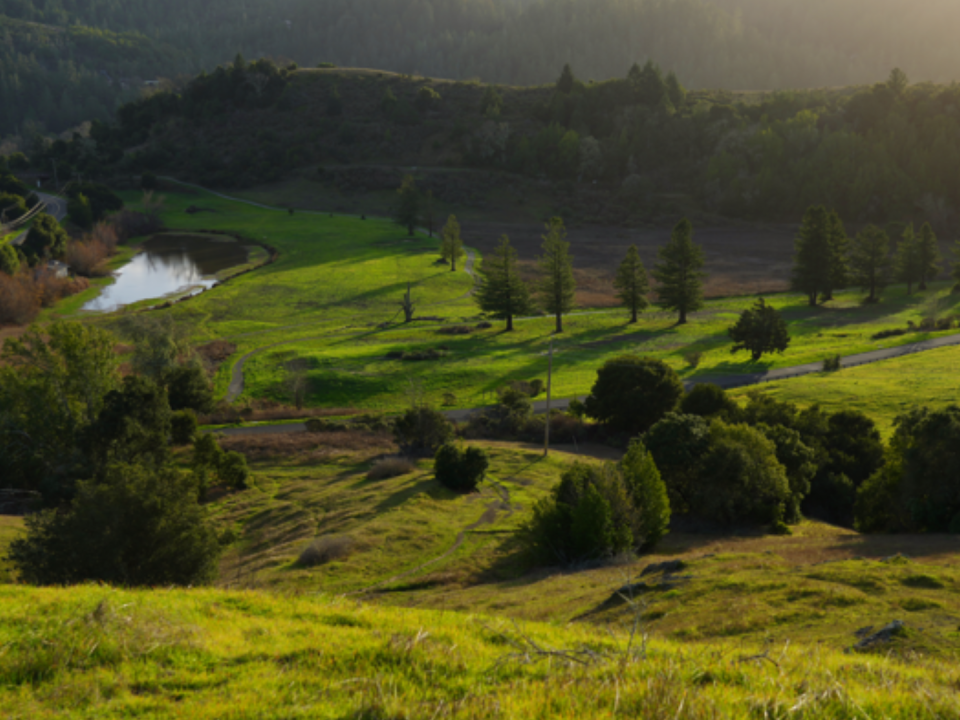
[137,526]
[326,549]
[391,467]
[883,334]
[945,324]
[832,364]
[46,239]
[449,399]
[706,399]
[693,359]
[422,430]
[188,387]
[233,471]
[632,393]
[12,207]
[183,427]
[9,260]
[460,470]
[148,181]
[427,98]
[87,258]
[928,324]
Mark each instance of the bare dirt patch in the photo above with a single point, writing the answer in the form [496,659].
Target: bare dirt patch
[741,260]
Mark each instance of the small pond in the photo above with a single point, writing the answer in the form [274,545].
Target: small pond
[170,264]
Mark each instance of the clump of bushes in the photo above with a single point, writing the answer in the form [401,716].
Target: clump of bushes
[632,393]
[421,431]
[183,426]
[326,549]
[459,469]
[832,364]
[228,468]
[364,423]
[456,330]
[598,512]
[390,467]
[418,355]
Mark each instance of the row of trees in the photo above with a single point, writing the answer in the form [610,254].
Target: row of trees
[827,259]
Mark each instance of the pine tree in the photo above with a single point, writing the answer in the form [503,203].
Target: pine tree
[928,251]
[451,244]
[908,259]
[870,261]
[955,270]
[407,212]
[812,255]
[502,292]
[428,212]
[675,91]
[632,284]
[679,273]
[557,285]
[565,83]
[650,87]
[839,242]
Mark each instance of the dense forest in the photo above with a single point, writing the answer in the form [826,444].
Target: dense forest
[62,62]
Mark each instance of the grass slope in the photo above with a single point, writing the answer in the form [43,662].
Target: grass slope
[92,652]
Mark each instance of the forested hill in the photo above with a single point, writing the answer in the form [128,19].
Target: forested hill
[731,44]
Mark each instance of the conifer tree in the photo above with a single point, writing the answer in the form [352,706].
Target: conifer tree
[502,292]
[632,284]
[649,495]
[870,261]
[557,286]
[760,329]
[679,273]
[955,270]
[812,254]
[928,255]
[839,242]
[675,91]
[407,212]
[908,259]
[565,83]
[451,244]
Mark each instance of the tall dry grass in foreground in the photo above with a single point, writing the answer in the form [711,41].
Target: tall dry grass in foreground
[96,652]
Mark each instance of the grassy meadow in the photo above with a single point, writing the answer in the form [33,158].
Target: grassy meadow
[93,652]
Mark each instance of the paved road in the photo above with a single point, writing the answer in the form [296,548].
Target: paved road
[54,206]
[725,381]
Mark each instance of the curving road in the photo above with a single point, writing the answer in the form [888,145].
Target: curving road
[53,205]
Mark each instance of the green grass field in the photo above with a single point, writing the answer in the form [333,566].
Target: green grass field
[92,652]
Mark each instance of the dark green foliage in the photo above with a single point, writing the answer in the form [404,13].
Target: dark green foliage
[335,103]
[100,199]
[12,207]
[679,273]
[183,427]
[135,527]
[839,246]
[148,181]
[928,254]
[651,517]
[760,330]
[870,262]
[502,293]
[908,268]
[632,393]
[233,471]
[648,84]
[407,212]
[557,285]
[427,99]
[565,82]
[451,244]
[678,444]
[46,239]
[9,260]
[491,104]
[632,284]
[188,387]
[79,212]
[460,470]
[799,462]
[811,261]
[422,430]
[707,400]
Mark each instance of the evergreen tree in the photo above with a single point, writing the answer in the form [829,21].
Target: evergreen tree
[675,91]
[908,259]
[502,292]
[649,495]
[632,284]
[565,83]
[870,261]
[451,244]
[839,242]
[955,270]
[812,255]
[760,329]
[428,211]
[407,212]
[46,239]
[557,285]
[650,87]
[679,273]
[928,252]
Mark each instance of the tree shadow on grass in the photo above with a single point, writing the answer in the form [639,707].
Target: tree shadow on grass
[426,485]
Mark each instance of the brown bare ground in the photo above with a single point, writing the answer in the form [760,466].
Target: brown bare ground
[740,260]
[307,447]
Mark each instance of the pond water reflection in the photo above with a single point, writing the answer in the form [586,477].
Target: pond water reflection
[170,264]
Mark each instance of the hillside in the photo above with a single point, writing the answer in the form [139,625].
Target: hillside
[101,653]
[728,44]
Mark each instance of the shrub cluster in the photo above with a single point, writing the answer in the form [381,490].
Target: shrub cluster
[420,431]
[326,549]
[366,423]
[390,467]
[459,469]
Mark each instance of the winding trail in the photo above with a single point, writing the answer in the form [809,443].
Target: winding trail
[52,205]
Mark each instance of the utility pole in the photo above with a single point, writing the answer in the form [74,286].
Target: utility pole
[546,438]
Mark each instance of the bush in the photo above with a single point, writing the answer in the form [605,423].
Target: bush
[233,471]
[183,427]
[427,99]
[136,527]
[632,393]
[326,549]
[422,430]
[79,212]
[693,359]
[9,260]
[46,239]
[460,470]
[12,207]
[387,468]
[832,364]
[189,388]
[148,181]
[707,400]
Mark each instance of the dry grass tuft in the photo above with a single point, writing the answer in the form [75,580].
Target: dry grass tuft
[326,549]
[262,410]
[390,467]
